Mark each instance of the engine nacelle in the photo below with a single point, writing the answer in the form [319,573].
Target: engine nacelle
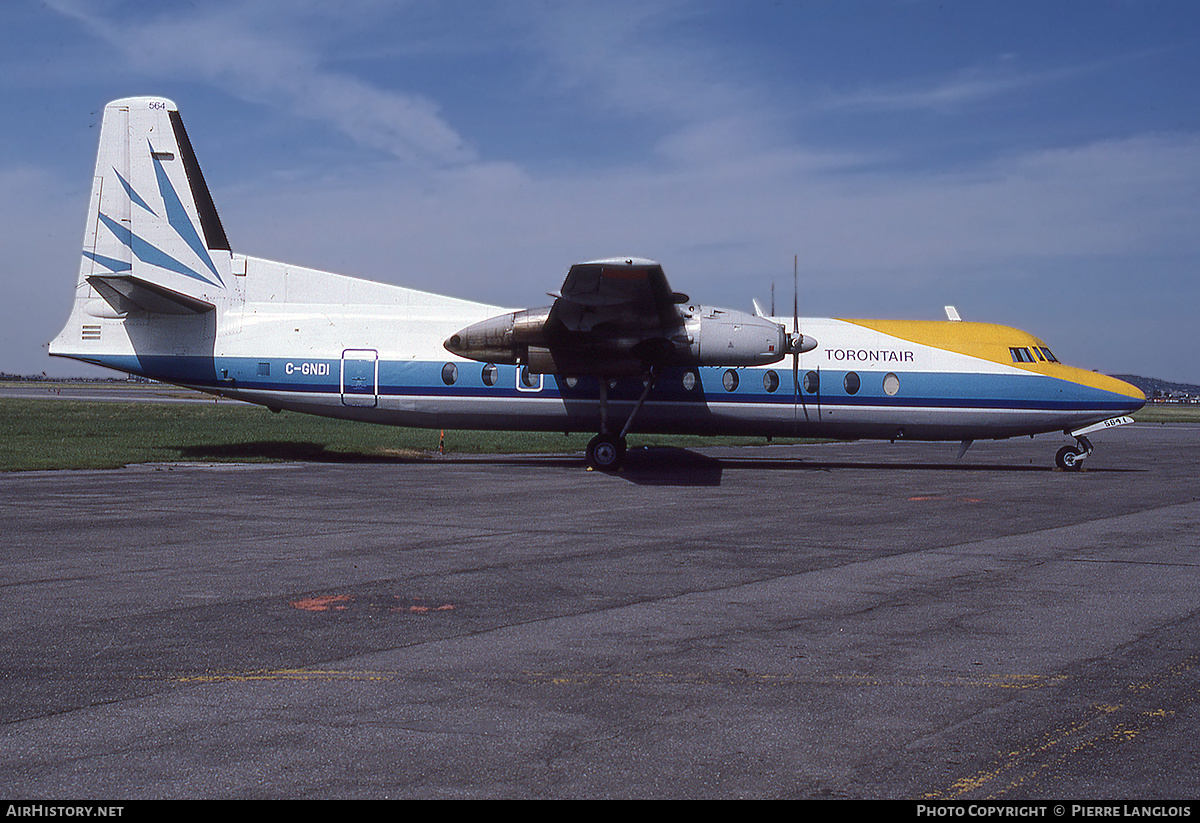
[706,336]
[501,339]
[724,337]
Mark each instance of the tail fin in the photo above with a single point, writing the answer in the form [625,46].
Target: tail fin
[153,240]
[154,251]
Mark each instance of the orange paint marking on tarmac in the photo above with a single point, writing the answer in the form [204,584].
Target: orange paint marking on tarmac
[342,602]
[919,499]
[336,602]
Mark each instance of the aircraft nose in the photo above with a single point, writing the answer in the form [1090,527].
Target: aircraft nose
[1137,398]
[1126,396]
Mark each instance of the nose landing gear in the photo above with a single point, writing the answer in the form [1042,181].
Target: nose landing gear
[1070,458]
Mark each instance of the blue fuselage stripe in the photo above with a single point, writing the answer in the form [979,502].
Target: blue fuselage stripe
[412,379]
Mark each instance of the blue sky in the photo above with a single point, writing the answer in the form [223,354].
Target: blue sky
[1035,164]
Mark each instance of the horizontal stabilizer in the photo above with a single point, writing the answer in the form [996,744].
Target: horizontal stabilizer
[126,293]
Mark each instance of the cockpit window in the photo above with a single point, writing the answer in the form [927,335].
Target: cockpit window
[1020,354]
[1049,356]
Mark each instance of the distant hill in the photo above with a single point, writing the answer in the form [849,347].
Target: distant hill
[1151,386]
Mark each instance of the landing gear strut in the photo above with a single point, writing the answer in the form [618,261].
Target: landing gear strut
[606,451]
[1070,458]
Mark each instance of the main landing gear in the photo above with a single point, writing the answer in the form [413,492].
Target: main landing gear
[606,451]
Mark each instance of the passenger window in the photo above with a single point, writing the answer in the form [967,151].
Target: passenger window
[770,380]
[449,374]
[730,380]
[812,382]
[852,383]
[490,375]
[689,380]
[891,384]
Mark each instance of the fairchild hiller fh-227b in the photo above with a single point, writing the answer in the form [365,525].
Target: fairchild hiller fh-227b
[161,294]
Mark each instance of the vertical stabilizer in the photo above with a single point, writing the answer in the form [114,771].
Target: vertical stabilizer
[151,220]
[156,263]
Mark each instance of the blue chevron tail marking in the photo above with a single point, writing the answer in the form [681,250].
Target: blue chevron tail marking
[149,253]
[133,195]
[178,218]
[109,263]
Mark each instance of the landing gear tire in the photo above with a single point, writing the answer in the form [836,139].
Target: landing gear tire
[606,452]
[1068,458]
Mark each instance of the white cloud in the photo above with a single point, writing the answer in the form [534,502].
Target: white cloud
[714,223]
[954,91]
[963,89]
[253,58]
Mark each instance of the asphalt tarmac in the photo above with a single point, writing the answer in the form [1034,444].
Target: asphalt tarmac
[121,391]
[858,620]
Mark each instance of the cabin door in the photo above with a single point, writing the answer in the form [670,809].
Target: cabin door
[360,377]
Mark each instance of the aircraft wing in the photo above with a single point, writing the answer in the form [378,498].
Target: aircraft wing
[619,317]
[622,297]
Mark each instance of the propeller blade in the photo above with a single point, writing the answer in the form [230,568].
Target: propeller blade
[795,340]
[796,294]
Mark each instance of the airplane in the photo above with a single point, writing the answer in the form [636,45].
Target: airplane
[161,294]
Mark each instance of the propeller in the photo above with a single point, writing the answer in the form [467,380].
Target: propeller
[796,338]
[797,342]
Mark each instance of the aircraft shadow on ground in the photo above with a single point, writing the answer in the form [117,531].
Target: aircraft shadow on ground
[308,452]
[826,465]
[670,466]
[286,450]
[646,466]
[673,466]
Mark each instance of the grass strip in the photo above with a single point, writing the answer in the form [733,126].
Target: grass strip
[73,434]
